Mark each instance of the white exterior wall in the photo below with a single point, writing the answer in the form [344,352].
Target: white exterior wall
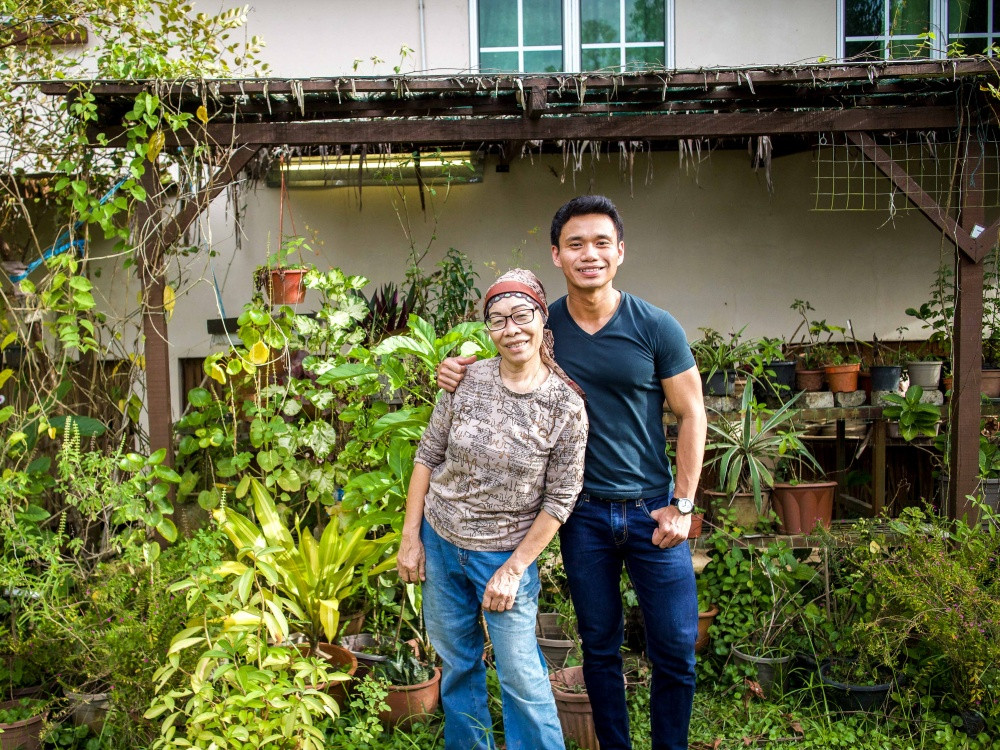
[762,32]
[715,249]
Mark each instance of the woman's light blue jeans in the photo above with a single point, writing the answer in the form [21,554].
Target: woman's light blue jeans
[453,592]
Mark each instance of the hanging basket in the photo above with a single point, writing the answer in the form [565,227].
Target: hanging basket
[286,286]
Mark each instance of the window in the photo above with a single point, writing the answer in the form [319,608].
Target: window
[899,29]
[554,36]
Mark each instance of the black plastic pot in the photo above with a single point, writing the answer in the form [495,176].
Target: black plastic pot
[885,377]
[849,697]
[780,385]
[721,383]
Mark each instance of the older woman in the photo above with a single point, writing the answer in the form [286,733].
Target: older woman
[497,472]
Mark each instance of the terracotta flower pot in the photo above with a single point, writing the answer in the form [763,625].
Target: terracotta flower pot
[705,620]
[843,378]
[989,385]
[697,519]
[809,380]
[410,703]
[286,286]
[801,506]
[573,705]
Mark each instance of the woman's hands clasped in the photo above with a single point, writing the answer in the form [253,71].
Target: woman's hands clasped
[410,559]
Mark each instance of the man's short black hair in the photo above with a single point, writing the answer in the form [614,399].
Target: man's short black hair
[582,205]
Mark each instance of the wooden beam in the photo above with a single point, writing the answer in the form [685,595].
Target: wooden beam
[639,127]
[154,322]
[967,342]
[810,75]
[912,190]
[218,182]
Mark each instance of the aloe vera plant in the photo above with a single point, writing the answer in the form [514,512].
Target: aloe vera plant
[751,444]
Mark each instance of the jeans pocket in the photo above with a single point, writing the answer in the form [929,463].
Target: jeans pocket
[649,504]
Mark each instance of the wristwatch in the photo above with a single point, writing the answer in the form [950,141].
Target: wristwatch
[684,504]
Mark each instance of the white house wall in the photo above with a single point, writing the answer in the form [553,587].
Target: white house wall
[715,249]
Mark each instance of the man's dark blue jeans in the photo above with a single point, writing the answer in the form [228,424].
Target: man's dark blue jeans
[598,539]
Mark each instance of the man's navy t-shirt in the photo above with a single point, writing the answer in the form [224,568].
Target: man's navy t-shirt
[620,368]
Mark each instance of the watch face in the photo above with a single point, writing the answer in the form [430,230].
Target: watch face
[685,505]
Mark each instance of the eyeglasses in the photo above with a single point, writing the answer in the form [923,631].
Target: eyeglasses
[520,318]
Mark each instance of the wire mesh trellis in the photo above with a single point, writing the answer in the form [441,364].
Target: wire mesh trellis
[847,181]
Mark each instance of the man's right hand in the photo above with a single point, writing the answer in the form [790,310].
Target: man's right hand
[451,371]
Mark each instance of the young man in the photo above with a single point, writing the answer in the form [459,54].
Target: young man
[627,355]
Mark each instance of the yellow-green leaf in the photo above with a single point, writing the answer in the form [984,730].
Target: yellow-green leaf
[155,145]
[259,353]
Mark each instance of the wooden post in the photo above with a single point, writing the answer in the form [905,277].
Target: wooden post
[156,344]
[967,340]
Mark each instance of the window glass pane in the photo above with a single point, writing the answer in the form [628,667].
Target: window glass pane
[910,48]
[599,21]
[909,17]
[864,50]
[499,62]
[965,16]
[864,17]
[497,23]
[542,22]
[970,46]
[543,62]
[599,59]
[644,21]
[641,58]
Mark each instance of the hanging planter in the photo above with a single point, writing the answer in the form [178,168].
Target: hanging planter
[286,286]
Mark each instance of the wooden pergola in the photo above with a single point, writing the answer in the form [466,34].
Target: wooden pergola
[861,101]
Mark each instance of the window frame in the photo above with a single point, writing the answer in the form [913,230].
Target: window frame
[938,24]
[571,48]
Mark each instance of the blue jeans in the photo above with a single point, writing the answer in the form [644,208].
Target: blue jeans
[598,539]
[453,592]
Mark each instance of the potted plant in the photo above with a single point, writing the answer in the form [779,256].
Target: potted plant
[887,364]
[772,373]
[313,576]
[912,417]
[21,723]
[413,686]
[573,706]
[765,644]
[810,358]
[841,369]
[802,498]
[707,612]
[285,282]
[746,449]
[718,358]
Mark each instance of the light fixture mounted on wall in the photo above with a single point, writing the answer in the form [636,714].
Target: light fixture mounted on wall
[379,170]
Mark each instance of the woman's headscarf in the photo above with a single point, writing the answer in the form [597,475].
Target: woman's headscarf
[520,282]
